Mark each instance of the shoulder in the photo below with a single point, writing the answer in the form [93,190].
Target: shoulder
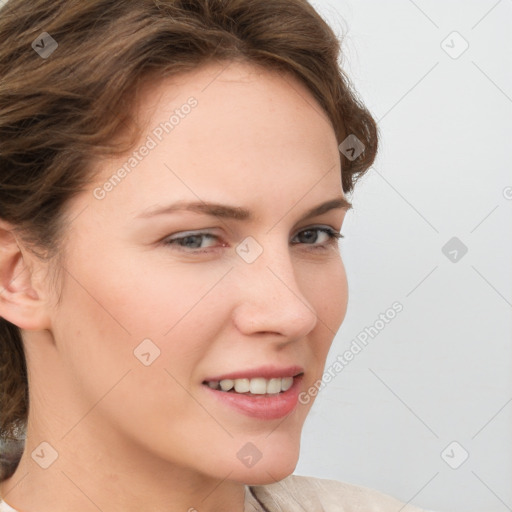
[299,493]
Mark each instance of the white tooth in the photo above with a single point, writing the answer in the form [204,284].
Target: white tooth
[258,386]
[286,383]
[274,386]
[241,385]
[213,384]
[226,384]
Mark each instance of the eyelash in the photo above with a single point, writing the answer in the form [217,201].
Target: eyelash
[334,236]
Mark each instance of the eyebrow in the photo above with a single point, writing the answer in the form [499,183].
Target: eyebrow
[238,213]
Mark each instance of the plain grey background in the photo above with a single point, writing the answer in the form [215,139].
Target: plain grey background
[441,370]
[424,410]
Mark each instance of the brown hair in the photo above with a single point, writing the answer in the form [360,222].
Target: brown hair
[58,111]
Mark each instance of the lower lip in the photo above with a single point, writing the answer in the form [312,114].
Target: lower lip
[265,407]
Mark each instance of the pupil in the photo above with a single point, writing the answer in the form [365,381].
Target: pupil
[188,238]
[312,235]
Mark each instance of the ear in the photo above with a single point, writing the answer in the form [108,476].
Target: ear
[22,299]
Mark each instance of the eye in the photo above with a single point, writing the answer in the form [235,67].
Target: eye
[313,233]
[193,242]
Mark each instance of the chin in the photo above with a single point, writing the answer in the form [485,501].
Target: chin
[269,469]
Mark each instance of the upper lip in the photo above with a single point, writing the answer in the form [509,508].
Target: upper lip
[267,372]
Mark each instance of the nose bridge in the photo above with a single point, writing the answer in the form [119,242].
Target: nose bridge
[271,297]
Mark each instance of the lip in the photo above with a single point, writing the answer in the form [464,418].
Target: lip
[267,372]
[264,407]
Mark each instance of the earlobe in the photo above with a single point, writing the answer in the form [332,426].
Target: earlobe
[20,302]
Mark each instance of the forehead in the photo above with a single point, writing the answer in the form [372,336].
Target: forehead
[236,98]
[224,130]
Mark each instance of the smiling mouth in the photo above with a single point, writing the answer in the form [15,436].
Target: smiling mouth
[254,386]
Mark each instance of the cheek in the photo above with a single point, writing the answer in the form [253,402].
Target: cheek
[337,290]
[132,356]
[113,323]
[137,296]
[328,295]
[327,292]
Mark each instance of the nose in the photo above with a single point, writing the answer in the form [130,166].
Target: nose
[270,300]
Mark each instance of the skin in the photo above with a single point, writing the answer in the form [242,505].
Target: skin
[132,437]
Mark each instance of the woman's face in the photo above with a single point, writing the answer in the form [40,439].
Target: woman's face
[156,300]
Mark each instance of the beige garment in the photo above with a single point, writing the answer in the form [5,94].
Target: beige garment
[307,494]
